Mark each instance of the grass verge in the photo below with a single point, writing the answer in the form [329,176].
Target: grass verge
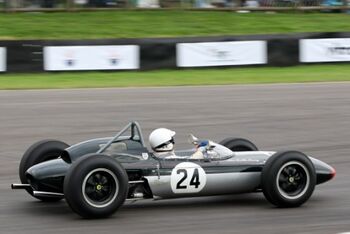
[170,23]
[251,75]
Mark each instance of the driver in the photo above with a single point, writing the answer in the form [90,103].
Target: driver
[162,143]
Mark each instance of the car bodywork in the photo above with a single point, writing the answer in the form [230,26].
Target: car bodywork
[152,177]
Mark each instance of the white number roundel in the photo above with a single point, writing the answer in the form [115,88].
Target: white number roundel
[188,177]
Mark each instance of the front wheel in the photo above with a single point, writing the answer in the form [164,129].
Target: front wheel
[288,179]
[95,186]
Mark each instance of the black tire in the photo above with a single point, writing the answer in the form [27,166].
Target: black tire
[40,152]
[288,179]
[238,144]
[95,186]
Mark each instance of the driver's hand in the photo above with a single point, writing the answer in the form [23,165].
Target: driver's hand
[198,154]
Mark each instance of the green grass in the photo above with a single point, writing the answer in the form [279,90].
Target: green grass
[170,23]
[310,73]
[136,24]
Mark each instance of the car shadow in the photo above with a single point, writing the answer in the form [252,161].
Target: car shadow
[213,203]
[242,200]
[61,208]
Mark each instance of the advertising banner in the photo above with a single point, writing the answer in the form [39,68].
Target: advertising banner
[206,54]
[324,50]
[65,58]
[2,59]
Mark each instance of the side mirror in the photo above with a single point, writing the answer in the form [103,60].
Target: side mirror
[193,140]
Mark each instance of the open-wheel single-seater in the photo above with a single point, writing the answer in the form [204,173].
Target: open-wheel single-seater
[96,176]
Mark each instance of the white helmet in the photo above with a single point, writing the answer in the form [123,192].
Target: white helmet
[161,139]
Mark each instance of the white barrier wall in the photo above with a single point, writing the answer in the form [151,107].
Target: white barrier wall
[171,53]
[69,58]
[2,59]
[324,50]
[206,54]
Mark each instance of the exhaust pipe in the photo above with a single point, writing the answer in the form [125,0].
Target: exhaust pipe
[47,194]
[37,193]
[20,186]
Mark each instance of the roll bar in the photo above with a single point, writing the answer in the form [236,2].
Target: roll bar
[135,130]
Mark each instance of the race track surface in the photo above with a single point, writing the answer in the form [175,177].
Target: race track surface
[313,118]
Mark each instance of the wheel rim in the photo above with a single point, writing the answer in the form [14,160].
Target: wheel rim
[100,187]
[293,180]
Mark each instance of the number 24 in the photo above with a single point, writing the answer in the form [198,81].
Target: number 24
[193,182]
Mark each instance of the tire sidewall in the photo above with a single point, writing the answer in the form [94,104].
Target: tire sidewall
[74,179]
[269,178]
[234,143]
[40,152]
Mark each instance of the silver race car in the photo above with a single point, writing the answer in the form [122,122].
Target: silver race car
[96,176]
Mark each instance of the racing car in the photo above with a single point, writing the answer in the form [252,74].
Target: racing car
[95,177]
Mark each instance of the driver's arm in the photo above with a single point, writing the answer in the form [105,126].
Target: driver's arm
[201,148]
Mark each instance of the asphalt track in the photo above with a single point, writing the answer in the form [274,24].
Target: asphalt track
[314,118]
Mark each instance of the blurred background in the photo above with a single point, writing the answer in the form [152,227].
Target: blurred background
[24,5]
[66,45]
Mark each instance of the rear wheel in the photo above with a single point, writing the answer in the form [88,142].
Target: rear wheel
[288,179]
[40,152]
[95,186]
[238,144]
